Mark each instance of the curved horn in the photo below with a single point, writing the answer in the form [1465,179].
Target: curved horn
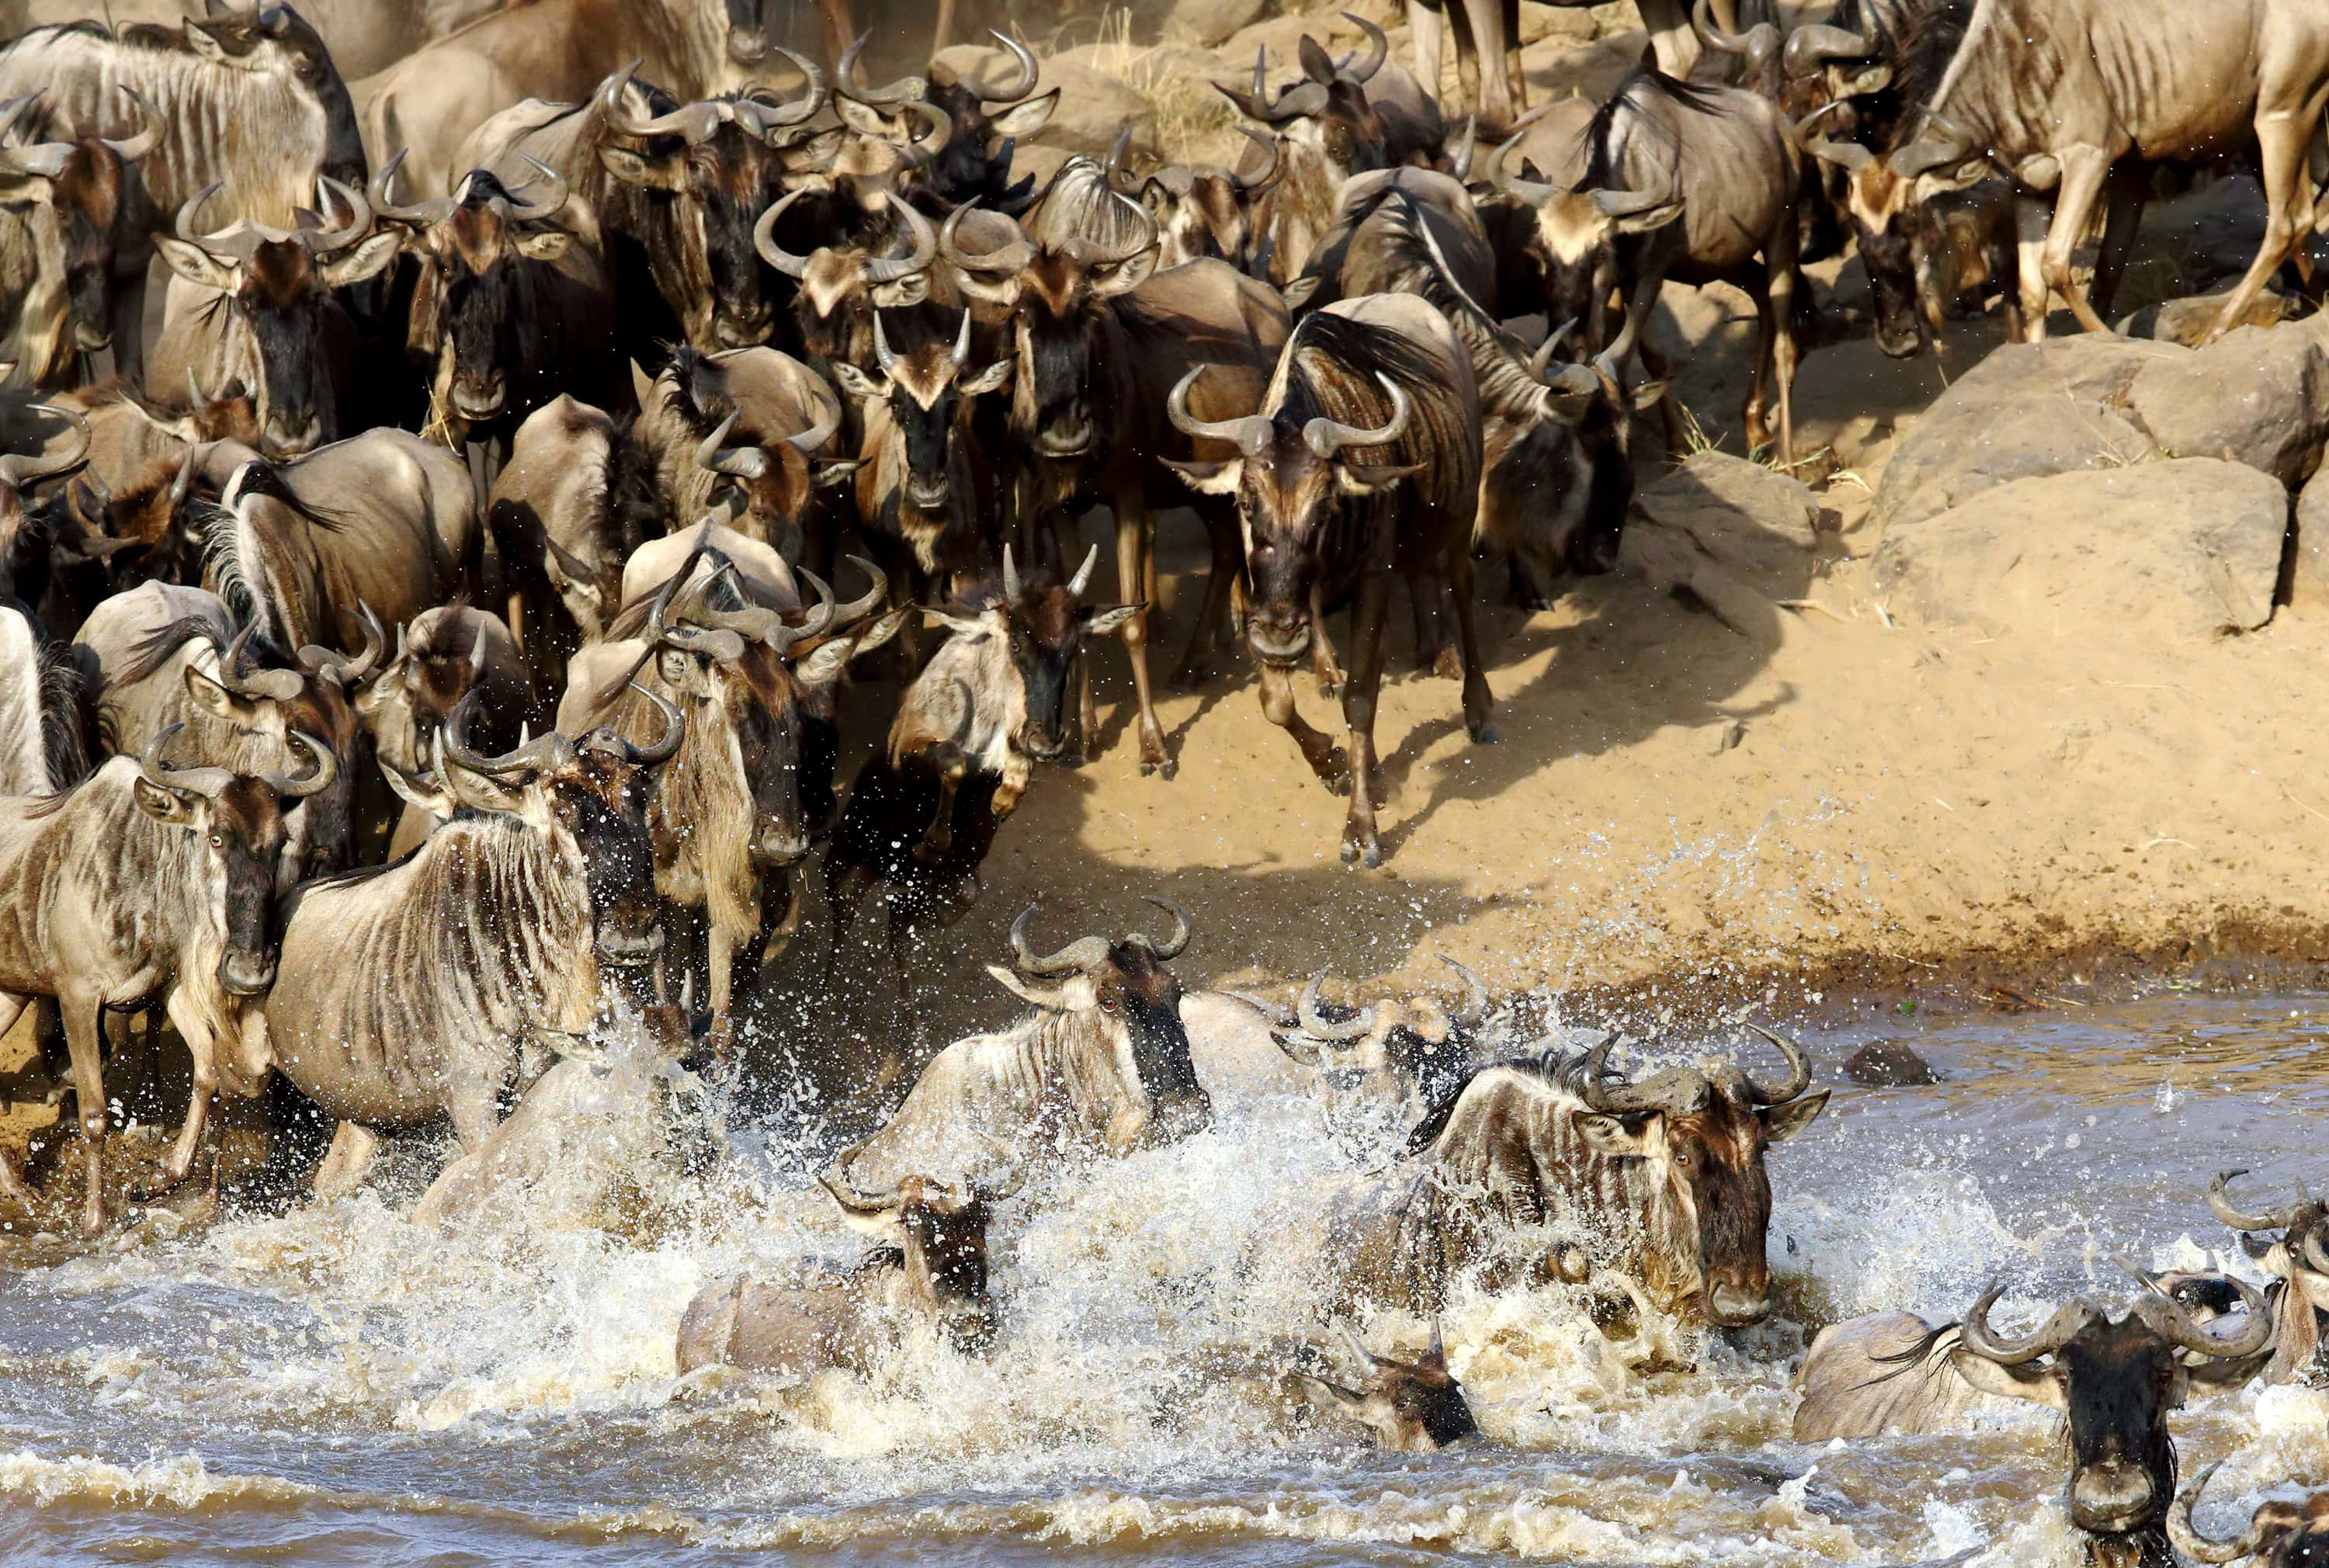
[873,599]
[1020,85]
[550,205]
[1249,434]
[2200,1548]
[273,685]
[1009,258]
[905,89]
[960,353]
[764,238]
[145,138]
[206,782]
[818,619]
[889,268]
[867,1205]
[886,360]
[804,107]
[918,151]
[665,746]
[183,225]
[2267,1219]
[183,484]
[539,752]
[324,769]
[1078,957]
[359,223]
[1302,97]
[1943,143]
[1813,45]
[195,399]
[1254,185]
[1010,573]
[1082,580]
[1173,946]
[1326,437]
[1800,1072]
[808,443]
[1618,203]
[685,120]
[2171,1319]
[1318,1027]
[2315,1249]
[21,471]
[1113,166]
[1701,18]
[315,659]
[712,457]
[1528,193]
[1368,1360]
[2056,1332]
[1378,49]
[1542,361]
[381,190]
[1476,990]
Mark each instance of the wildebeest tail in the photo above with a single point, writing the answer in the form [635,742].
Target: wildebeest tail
[1905,1361]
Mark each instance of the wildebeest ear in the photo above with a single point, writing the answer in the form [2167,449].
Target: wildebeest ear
[1624,1135]
[1781,1123]
[160,805]
[414,792]
[1128,274]
[545,245]
[969,626]
[366,261]
[863,118]
[1209,478]
[837,470]
[859,385]
[1647,396]
[195,265]
[1316,64]
[988,380]
[1101,620]
[1366,478]
[910,290]
[215,699]
[636,169]
[1024,120]
[1297,293]
[200,40]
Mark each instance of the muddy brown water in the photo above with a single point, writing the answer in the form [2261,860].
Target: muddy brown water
[340,1387]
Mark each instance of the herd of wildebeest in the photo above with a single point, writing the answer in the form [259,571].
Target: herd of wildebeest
[425,648]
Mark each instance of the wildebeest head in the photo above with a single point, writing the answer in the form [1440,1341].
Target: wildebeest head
[1412,1406]
[1883,209]
[311,694]
[154,526]
[841,288]
[1574,237]
[1702,1133]
[1026,639]
[276,287]
[1059,297]
[983,120]
[1132,1002]
[23,534]
[1333,100]
[939,1230]
[928,397]
[1292,478]
[239,819]
[2299,1255]
[763,487]
[594,791]
[2280,1535]
[476,302]
[2115,1381]
[1204,211]
[730,156]
[1398,1053]
[272,40]
[94,205]
[441,657]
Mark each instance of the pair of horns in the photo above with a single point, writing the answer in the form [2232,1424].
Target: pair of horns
[1679,1091]
[478,187]
[1087,954]
[921,244]
[1251,434]
[1319,1027]
[552,749]
[18,471]
[47,160]
[209,783]
[700,122]
[2166,1316]
[236,242]
[1076,584]
[910,89]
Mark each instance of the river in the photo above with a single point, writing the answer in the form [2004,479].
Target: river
[338,1385]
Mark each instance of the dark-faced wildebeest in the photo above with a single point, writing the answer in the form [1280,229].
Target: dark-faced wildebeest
[67,208]
[1412,1406]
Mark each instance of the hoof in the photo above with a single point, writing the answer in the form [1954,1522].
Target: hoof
[1487,734]
[1449,665]
[1366,857]
[1329,688]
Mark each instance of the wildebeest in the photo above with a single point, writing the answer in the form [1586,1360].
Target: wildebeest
[2280,1535]
[248,99]
[751,781]
[2056,92]
[991,703]
[166,657]
[147,881]
[2298,1300]
[135,439]
[2115,1379]
[1364,462]
[1202,210]
[1489,42]
[255,304]
[841,284]
[1661,1180]
[743,436]
[67,208]
[931,1269]
[1404,1056]
[1101,1065]
[25,533]
[384,520]
[46,720]
[506,312]
[437,987]
[983,119]
[442,655]
[1410,1406]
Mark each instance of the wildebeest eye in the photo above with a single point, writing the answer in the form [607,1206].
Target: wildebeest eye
[1107,1004]
[218,840]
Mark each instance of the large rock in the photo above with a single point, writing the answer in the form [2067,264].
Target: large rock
[1095,105]
[2026,411]
[2309,581]
[2258,396]
[1212,22]
[2188,547]
[2187,321]
[1738,511]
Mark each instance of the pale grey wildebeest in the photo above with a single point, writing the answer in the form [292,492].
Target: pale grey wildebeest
[1101,1065]
[144,881]
[1662,1182]
[437,989]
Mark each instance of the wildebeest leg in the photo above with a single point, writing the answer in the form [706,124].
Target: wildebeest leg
[1327,759]
[12,1185]
[1229,560]
[85,1038]
[2285,138]
[201,1047]
[1490,43]
[1660,369]
[1515,72]
[938,837]
[1433,654]
[1135,552]
[719,947]
[944,34]
[2124,200]
[1323,657]
[1756,415]
[1780,266]
[2084,169]
[1478,699]
[344,1163]
[2031,217]
[1429,27]
[473,1104]
[1368,613]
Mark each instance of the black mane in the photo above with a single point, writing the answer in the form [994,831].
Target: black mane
[1648,78]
